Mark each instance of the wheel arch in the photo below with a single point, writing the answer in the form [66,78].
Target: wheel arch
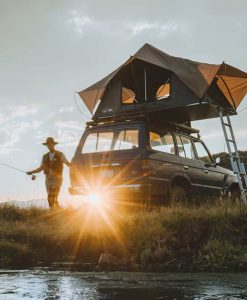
[234,187]
[182,181]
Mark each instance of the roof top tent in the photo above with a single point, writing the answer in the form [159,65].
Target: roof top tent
[167,88]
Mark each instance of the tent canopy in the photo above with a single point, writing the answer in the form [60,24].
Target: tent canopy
[152,80]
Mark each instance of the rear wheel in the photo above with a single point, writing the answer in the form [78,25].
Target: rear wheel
[178,195]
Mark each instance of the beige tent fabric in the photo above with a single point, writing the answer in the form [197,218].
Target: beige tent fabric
[128,96]
[233,88]
[91,97]
[195,75]
[163,91]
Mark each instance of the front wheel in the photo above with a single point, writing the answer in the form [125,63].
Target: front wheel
[235,194]
[178,195]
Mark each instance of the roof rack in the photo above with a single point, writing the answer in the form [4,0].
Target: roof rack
[184,128]
[107,120]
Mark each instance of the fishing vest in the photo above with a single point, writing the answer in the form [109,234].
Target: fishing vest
[56,164]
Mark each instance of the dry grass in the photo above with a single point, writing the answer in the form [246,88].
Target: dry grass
[206,237]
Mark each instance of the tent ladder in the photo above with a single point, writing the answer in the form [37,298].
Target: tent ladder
[237,165]
[145,84]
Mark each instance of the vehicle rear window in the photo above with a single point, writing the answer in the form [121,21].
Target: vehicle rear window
[111,141]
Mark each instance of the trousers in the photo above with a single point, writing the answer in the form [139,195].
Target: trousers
[53,185]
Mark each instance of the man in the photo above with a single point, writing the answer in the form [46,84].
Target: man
[52,165]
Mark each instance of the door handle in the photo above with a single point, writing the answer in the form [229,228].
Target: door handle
[206,171]
[186,167]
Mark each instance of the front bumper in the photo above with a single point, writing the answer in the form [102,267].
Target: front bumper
[131,192]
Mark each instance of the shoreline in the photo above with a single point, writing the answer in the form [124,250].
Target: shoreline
[209,238]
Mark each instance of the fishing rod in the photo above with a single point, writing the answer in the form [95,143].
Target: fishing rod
[20,170]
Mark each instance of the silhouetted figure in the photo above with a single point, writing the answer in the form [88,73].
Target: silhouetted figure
[52,165]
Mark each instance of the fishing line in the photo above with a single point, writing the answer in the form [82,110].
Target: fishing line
[17,169]
[9,166]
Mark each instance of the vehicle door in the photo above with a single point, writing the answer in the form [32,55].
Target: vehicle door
[212,177]
[162,160]
[189,166]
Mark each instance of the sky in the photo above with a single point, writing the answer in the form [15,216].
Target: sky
[51,48]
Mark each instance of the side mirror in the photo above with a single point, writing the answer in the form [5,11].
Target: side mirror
[217,160]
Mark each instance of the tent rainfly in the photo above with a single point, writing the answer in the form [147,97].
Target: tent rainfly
[167,87]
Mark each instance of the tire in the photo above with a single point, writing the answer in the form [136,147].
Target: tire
[178,195]
[235,195]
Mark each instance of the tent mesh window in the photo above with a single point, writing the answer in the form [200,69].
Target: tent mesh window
[128,96]
[164,91]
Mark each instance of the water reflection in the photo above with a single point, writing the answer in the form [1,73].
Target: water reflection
[42,284]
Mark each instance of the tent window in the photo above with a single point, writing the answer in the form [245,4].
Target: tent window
[128,96]
[163,91]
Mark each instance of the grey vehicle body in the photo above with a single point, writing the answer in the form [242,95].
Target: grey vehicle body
[133,159]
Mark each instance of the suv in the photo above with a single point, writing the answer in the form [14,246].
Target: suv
[138,160]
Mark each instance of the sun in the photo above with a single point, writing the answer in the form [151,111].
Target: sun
[94,198]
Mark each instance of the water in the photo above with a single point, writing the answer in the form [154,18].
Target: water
[44,284]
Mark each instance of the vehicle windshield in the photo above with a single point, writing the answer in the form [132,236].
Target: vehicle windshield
[111,140]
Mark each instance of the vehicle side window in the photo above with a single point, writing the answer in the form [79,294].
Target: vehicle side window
[185,147]
[202,152]
[188,147]
[126,139]
[181,151]
[163,143]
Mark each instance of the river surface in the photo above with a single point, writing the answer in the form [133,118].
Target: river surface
[45,284]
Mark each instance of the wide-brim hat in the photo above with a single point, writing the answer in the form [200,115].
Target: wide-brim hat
[50,140]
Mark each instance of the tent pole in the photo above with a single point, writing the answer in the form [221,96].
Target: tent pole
[145,83]
[234,105]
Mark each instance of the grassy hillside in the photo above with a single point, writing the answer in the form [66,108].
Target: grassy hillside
[212,238]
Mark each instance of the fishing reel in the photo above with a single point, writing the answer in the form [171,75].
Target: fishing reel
[33,177]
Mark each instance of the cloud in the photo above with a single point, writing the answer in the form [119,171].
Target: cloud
[81,22]
[35,124]
[69,125]
[61,112]
[3,118]
[10,135]
[139,27]
[11,112]
[69,132]
[22,110]
[68,137]
[66,109]
[157,28]
[13,126]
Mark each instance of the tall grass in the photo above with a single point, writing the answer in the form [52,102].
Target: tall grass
[206,237]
